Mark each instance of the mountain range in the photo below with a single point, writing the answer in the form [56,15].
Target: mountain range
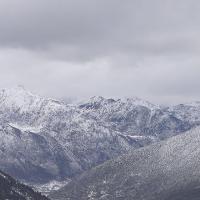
[46,141]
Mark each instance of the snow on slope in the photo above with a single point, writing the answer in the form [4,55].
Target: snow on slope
[162,171]
[50,187]
[46,140]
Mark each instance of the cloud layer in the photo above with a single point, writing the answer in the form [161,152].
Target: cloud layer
[79,48]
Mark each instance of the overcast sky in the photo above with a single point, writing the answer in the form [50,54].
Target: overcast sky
[112,48]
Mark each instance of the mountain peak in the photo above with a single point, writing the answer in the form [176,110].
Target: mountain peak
[18,97]
[17,90]
[97,99]
[140,102]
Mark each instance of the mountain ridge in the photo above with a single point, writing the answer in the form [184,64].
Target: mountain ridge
[45,140]
[168,170]
[11,189]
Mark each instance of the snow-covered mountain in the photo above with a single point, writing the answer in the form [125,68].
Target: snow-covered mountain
[10,189]
[45,140]
[168,170]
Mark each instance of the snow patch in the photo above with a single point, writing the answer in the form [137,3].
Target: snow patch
[25,128]
[51,186]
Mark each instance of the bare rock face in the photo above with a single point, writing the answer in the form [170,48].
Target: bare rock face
[44,140]
[168,170]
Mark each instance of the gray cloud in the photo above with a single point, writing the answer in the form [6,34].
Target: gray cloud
[119,48]
[99,28]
